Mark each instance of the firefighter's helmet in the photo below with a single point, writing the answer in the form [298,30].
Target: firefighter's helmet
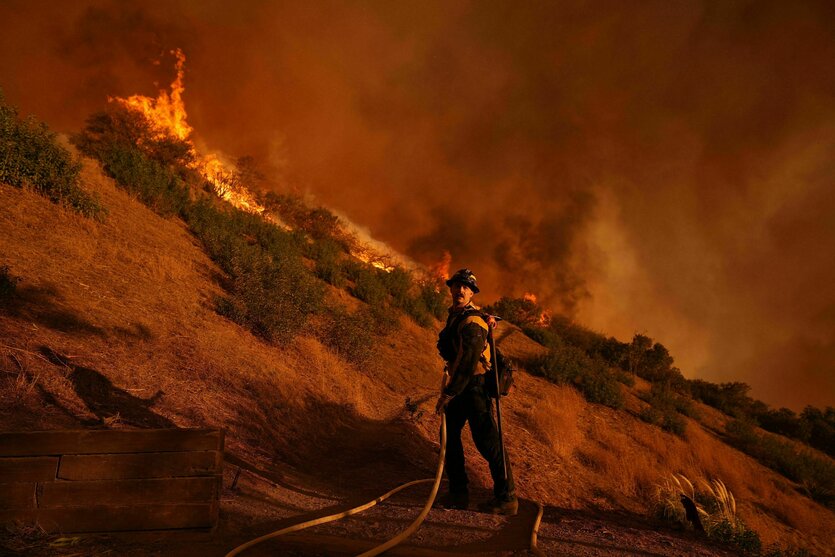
[465,277]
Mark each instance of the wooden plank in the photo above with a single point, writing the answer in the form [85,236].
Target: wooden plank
[128,492]
[125,518]
[28,469]
[17,495]
[139,465]
[108,441]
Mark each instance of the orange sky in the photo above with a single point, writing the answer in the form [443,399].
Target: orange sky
[656,167]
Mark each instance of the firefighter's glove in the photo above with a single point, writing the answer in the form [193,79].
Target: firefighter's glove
[443,400]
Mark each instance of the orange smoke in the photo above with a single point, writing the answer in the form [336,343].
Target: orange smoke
[529,297]
[167,116]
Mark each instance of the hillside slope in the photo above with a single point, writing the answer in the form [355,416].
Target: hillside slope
[114,325]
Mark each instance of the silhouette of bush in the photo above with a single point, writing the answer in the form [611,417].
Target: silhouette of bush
[31,157]
[8,284]
[119,126]
[519,311]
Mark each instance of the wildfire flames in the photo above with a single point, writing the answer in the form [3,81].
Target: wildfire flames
[440,270]
[167,116]
[544,316]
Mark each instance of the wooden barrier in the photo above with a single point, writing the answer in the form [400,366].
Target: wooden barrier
[105,481]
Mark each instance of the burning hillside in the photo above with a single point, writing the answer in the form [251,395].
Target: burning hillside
[167,117]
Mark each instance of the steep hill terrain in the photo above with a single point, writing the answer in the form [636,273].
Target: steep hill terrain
[113,324]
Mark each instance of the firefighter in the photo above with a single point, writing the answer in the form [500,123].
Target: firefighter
[463,346]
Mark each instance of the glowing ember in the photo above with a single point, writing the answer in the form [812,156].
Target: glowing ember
[529,297]
[167,115]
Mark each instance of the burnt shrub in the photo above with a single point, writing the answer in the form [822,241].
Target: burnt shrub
[30,156]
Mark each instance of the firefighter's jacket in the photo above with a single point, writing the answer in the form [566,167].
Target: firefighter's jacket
[463,345]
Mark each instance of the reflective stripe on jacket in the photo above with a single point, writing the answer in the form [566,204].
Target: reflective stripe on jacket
[472,354]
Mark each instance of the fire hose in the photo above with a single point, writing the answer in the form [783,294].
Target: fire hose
[411,528]
[330,518]
[402,535]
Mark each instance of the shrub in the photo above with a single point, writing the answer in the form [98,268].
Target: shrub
[434,298]
[30,156]
[521,312]
[568,364]
[155,185]
[398,282]
[271,291]
[663,409]
[816,475]
[368,286]
[119,126]
[350,335]
[716,508]
[328,257]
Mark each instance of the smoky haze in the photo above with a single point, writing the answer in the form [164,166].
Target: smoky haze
[654,167]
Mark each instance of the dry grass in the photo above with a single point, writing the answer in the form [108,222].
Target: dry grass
[555,419]
[132,299]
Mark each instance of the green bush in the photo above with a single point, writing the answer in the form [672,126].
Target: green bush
[271,291]
[328,254]
[739,536]
[816,475]
[663,409]
[122,127]
[398,283]
[350,335]
[544,336]
[434,298]
[155,185]
[567,364]
[368,286]
[30,156]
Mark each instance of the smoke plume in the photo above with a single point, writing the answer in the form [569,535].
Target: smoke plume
[654,167]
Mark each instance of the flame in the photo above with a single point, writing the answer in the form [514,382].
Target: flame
[440,270]
[167,116]
[367,255]
[544,316]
